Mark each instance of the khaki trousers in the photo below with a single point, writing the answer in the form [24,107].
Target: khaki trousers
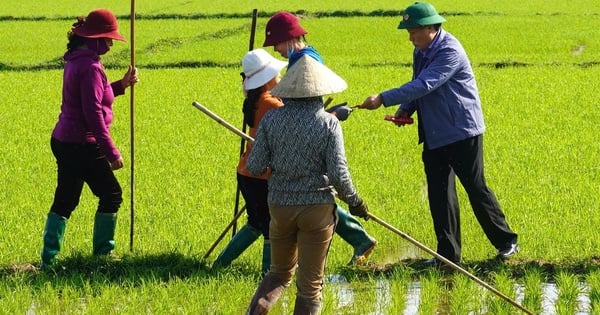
[300,236]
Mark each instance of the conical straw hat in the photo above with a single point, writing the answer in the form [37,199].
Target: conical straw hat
[309,78]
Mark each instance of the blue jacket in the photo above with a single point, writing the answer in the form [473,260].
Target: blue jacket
[444,93]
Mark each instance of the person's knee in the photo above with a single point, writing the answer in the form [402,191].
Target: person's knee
[285,278]
[64,208]
[110,203]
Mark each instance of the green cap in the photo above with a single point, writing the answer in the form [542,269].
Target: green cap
[420,14]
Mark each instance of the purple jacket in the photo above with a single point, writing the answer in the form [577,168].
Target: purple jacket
[87,98]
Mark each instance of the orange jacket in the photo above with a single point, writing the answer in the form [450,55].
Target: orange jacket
[265,103]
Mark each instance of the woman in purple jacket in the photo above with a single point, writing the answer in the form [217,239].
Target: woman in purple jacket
[81,141]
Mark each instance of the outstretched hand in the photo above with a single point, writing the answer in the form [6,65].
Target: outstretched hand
[372,102]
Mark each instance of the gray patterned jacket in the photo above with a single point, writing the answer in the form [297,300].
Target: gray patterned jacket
[304,147]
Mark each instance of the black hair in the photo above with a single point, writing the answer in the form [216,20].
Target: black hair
[249,106]
[74,39]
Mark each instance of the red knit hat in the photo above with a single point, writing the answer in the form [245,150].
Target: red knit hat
[282,27]
[99,23]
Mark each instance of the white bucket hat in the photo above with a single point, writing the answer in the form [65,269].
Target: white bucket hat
[259,68]
[308,78]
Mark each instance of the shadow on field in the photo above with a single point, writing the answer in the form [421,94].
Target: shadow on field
[129,269]
[136,270]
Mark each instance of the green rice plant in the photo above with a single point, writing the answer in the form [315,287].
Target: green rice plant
[399,284]
[539,106]
[532,283]
[222,8]
[569,290]
[465,296]
[433,299]
[593,282]
[502,282]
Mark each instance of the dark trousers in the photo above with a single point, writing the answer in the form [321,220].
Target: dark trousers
[255,192]
[463,159]
[80,163]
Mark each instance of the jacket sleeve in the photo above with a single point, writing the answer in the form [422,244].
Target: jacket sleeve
[444,63]
[260,156]
[337,166]
[117,88]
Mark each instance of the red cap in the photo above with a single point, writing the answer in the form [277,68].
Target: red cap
[99,23]
[282,27]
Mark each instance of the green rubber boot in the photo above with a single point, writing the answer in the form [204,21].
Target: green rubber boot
[266,258]
[349,229]
[53,235]
[104,233]
[238,244]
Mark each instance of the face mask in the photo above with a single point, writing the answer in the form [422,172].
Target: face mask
[98,45]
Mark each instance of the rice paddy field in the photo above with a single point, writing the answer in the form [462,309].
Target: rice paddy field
[537,65]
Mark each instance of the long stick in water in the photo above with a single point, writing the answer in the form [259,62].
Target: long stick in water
[449,263]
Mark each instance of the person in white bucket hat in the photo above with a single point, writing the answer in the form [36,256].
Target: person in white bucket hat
[261,73]
[260,68]
[303,146]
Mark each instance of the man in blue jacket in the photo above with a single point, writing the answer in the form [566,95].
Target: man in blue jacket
[444,94]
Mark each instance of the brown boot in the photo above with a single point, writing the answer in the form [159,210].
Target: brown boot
[307,307]
[266,295]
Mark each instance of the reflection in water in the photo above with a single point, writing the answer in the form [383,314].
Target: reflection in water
[550,296]
[345,295]
[413,298]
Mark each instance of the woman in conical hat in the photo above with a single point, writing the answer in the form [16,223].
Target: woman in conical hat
[303,146]
[284,32]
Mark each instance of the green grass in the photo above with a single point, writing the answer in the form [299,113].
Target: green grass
[532,282]
[540,106]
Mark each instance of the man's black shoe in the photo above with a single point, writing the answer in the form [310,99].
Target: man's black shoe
[439,265]
[432,262]
[509,251]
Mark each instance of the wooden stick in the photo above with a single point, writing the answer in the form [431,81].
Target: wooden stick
[232,223]
[221,121]
[449,263]
[131,126]
[242,141]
